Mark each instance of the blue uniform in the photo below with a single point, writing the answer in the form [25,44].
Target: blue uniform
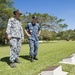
[33,30]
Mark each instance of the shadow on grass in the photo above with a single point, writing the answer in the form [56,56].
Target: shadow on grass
[5,59]
[27,57]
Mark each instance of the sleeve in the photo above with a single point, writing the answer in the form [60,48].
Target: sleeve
[39,28]
[8,27]
[22,33]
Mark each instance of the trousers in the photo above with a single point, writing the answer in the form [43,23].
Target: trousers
[15,46]
[33,47]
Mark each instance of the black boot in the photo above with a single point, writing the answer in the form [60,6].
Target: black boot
[32,60]
[35,58]
[12,65]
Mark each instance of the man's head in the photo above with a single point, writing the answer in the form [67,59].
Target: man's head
[34,19]
[17,13]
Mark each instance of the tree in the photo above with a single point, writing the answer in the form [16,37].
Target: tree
[66,35]
[47,35]
[63,26]
[54,24]
[5,13]
[48,23]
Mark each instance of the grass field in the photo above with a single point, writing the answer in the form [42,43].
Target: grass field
[49,55]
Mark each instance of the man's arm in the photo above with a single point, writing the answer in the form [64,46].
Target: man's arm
[39,32]
[27,33]
[22,34]
[27,28]
[8,29]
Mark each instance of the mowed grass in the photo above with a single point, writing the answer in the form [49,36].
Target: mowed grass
[49,54]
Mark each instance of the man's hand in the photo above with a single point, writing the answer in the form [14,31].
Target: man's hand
[9,37]
[28,35]
[22,40]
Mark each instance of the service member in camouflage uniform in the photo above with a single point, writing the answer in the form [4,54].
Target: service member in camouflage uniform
[33,31]
[16,36]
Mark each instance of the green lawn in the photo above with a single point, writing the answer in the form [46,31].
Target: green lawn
[49,55]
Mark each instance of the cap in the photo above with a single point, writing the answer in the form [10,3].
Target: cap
[34,17]
[17,11]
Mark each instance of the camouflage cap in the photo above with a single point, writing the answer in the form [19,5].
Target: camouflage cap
[17,11]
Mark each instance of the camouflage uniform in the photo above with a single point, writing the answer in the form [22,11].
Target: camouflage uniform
[33,30]
[14,29]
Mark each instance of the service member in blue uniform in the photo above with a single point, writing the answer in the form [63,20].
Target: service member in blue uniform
[33,31]
[15,35]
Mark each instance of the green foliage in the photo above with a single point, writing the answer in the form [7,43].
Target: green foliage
[46,21]
[49,24]
[66,35]
[5,14]
[47,35]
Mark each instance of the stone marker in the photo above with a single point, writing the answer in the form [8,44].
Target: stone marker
[73,55]
[53,70]
[69,60]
